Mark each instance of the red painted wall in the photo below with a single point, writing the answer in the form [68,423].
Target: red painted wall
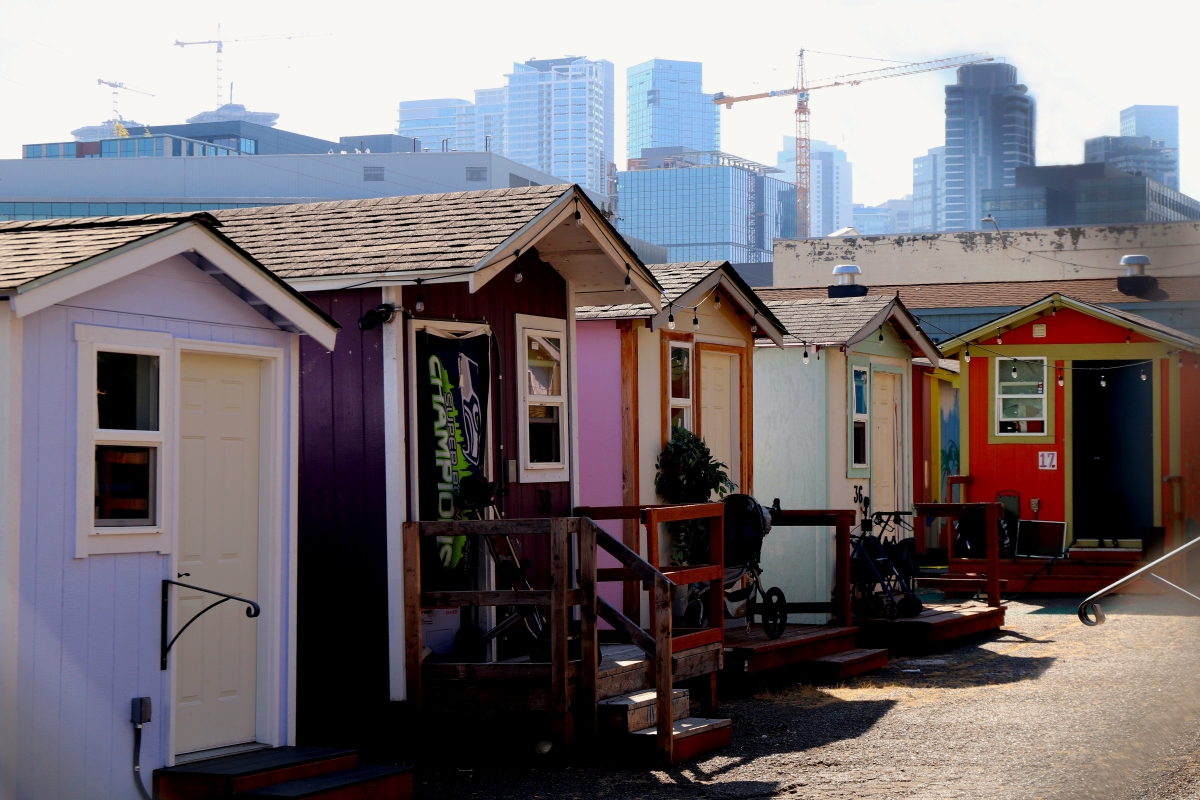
[1070,327]
[1189,405]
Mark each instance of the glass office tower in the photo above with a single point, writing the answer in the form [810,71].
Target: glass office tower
[1137,155]
[831,180]
[441,124]
[668,108]
[706,205]
[560,118]
[1157,122]
[990,124]
[929,175]
[489,120]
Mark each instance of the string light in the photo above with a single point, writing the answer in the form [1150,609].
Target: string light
[754,323]
[818,351]
[1053,310]
[1103,382]
[806,352]
[999,337]
[695,321]
[1129,337]
[1014,370]
[1060,376]
[518,276]
[671,317]
[717,300]
[419,306]
[578,216]
[967,355]
[1143,373]
[628,280]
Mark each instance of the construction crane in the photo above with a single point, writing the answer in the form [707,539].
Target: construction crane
[801,90]
[220,43]
[117,87]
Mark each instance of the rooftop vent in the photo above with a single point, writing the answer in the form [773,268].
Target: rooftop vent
[1135,281]
[846,286]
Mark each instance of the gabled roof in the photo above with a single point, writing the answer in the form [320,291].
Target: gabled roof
[846,321]
[1101,291]
[454,236]
[683,279]
[49,261]
[1033,311]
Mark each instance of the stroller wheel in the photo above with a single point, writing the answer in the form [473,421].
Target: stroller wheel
[774,613]
[909,606]
[889,609]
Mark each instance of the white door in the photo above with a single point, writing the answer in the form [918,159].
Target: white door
[885,446]
[719,411]
[215,659]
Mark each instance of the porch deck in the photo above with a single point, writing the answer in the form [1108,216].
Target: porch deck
[936,623]
[825,649]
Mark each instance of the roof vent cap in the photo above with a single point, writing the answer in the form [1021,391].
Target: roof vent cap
[847,274]
[1135,265]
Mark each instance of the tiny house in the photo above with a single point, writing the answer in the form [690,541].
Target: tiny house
[1078,413]
[149,376]
[832,423]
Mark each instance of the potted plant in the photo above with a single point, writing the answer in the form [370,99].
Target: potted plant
[688,473]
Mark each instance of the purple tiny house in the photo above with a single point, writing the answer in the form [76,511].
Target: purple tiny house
[148,415]
[458,360]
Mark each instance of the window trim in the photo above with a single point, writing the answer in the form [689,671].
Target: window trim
[89,537]
[1047,398]
[559,471]
[669,338]
[688,404]
[855,416]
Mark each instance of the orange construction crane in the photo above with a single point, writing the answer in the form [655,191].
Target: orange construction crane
[801,90]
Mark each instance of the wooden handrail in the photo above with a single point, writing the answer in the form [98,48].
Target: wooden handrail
[991,513]
[629,559]
[639,637]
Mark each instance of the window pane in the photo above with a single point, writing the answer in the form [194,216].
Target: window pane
[679,417]
[681,373]
[1028,379]
[543,357]
[544,444]
[1020,408]
[860,443]
[127,391]
[1023,426]
[860,391]
[125,484]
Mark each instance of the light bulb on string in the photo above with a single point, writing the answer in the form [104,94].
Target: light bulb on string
[671,318]
[1129,337]
[578,216]
[1014,371]
[419,306]
[717,300]
[517,276]
[999,338]
[754,323]
[695,321]
[628,280]
[818,352]
[1143,373]
[1060,377]
[1103,382]
[881,333]
[806,353]
[967,355]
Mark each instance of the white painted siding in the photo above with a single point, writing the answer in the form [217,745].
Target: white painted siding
[791,451]
[88,637]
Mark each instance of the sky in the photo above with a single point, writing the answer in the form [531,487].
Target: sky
[1083,61]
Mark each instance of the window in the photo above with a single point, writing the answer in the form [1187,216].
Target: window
[1020,395]
[541,351]
[372,173]
[679,389]
[861,406]
[122,440]
[476,173]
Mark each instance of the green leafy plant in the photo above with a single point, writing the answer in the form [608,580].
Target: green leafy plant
[688,473]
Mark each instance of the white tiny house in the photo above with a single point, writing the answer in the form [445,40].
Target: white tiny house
[148,435]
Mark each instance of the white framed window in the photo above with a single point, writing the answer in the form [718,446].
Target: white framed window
[679,385]
[542,367]
[124,445]
[1020,396]
[860,407]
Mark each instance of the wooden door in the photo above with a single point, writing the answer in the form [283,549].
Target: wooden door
[719,409]
[215,659]
[886,449]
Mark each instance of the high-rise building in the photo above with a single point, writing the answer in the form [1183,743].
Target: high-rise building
[928,197]
[441,124]
[892,216]
[831,193]
[1137,155]
[705,205]
[489,120]
[560,118]
[990,124]
[1157,122]
[666,107]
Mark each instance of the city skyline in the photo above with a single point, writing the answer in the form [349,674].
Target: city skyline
[49,60]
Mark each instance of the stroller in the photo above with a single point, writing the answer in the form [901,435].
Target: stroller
[881,569]
[746,524]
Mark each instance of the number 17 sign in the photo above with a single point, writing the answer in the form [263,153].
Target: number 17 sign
[1048,459]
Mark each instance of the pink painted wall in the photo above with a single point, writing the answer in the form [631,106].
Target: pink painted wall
[599,347]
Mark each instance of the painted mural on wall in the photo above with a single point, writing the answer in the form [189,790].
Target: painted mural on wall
[948,445]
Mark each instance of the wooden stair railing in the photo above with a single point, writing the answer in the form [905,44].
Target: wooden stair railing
[991,513]
[841,520]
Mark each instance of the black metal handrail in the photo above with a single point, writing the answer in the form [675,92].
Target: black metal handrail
[1090,604]
[252,610]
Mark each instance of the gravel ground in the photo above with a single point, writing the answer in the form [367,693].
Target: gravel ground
[1045,709]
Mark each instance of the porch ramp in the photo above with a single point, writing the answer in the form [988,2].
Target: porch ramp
[317,773]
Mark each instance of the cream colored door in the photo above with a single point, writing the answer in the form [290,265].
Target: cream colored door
[215,659]
[719,418]
[885,447]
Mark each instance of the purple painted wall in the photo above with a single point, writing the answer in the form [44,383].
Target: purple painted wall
[600,438]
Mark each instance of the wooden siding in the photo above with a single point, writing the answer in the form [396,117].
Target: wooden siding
[342,626]
[89,628]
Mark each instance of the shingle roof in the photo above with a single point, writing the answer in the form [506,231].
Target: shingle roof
[416,232]
[676,278]
[825,320]
[31,250]
[1149,324]
[1099,291]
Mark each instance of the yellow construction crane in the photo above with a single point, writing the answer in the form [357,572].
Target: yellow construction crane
[220,43]
[801,90]
[118,87]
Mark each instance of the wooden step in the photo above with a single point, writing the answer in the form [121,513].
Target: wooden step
[839,666]
[358,783]
[636,711]
[751,652]
[960,583]
[692,736]
[224,777]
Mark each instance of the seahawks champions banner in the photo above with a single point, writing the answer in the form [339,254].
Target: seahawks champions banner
[452,387]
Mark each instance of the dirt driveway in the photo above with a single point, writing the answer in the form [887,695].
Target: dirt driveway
[1046,709]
